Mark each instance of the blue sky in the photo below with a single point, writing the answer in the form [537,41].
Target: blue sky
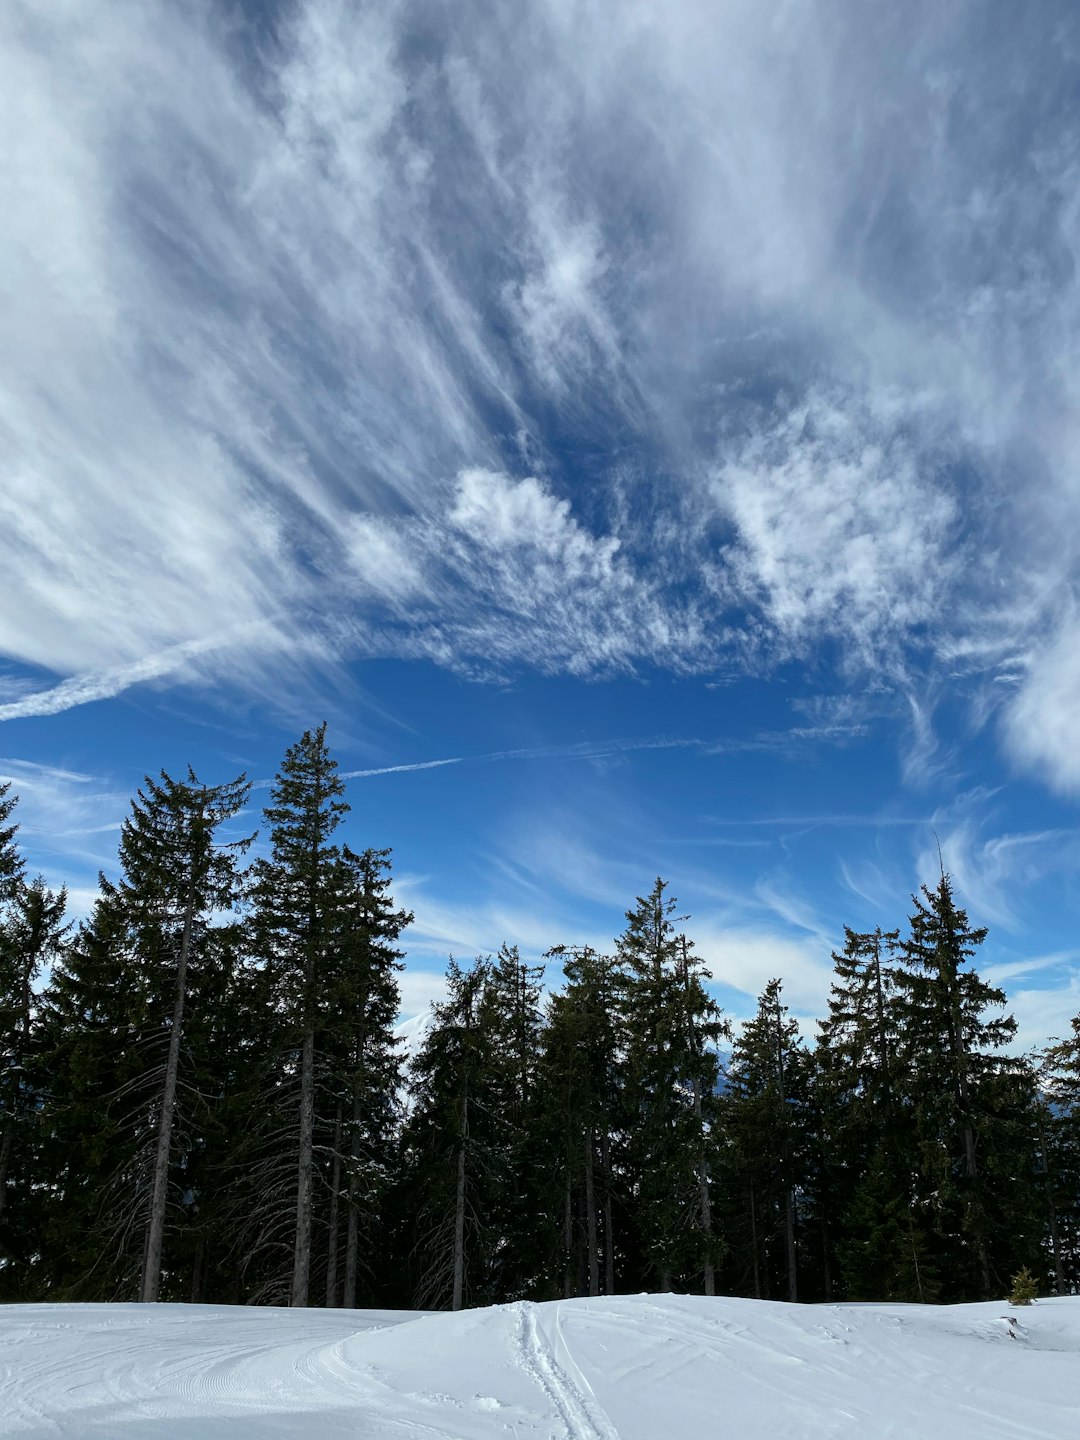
[667,416]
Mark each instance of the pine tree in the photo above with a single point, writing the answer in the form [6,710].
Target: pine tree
[362,1075]
[32,936]
[973,1108]
[1059,1157]
[863,1195]
[512,1018]
[580,1122]
[115,1018]
[765,1096]
[11,862]
[454,1142]
[671,1027]
[300,892]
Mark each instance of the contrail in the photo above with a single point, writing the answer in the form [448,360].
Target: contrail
[583,750]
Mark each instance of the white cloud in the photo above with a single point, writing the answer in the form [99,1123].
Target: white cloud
[1041,720]
[280,307]
[839,529]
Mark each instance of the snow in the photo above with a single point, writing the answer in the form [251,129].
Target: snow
[630,1368]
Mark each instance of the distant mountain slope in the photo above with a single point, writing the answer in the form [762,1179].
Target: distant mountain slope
[630,1368]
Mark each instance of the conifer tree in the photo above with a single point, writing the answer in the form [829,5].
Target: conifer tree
[32,935]
[362,1074]
[671,1028]
[11,861]
[512,1017]
[763,1105]
[581,1119]
[299,895]
[456,1144]
[863,1197]
[116,1014]
[973,1108]
[1059,1156]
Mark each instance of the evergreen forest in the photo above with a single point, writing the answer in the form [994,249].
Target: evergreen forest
[203,1098]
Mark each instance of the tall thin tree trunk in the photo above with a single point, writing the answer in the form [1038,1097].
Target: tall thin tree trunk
[825,1265]
[198,1272]
[704,1199]
[335,1198]
[1055,1246]
[754,1244]
[302,1247]
[352,1232]
[609,1233]
[568,1239]
[7,1145]
[590,1216]
[789,1227]
[151,1276]
[352,1247]
[706,1227]
[459,1210]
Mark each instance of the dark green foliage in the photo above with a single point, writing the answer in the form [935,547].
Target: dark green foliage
[580,1126]
[670,1030]
[972,1108]
[109,1015]
[225,1045]
[1023,1288]
[763,1120]
[454,1145]
[32,937]
[323,934]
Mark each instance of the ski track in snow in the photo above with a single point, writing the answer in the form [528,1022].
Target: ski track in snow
[579,1413]
[648,1367]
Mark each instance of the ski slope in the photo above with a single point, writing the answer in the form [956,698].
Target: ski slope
[630,1368]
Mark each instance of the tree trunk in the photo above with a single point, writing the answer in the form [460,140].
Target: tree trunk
[568,1239]
[1055,1246]
[609,1234]
[590,1217]
[198,1272]
[459,1211]
[6,1147]
[826,1268]
[754,1244]
[151,1276]
[332,1238]
[352,1234]
[789,1227]
[302,1247]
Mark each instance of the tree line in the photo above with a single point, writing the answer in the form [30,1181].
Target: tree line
[202,1096]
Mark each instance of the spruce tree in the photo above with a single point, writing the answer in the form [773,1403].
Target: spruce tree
[11,861]
[973,1108]
[32,937]
[362,1071]
[763,1108]
[580,1122]
[671,1029]
[116,1015]
[299,895]
[863,1196]
[512,1017]
[1058,1169]
[454,1142]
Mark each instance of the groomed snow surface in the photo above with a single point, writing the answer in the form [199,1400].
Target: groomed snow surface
[643,1367]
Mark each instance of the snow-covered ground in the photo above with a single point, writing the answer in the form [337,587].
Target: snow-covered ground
[633,1368]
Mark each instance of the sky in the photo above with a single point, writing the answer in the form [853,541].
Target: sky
[648,435]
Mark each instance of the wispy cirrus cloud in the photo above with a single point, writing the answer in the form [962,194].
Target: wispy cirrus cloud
[575,341]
